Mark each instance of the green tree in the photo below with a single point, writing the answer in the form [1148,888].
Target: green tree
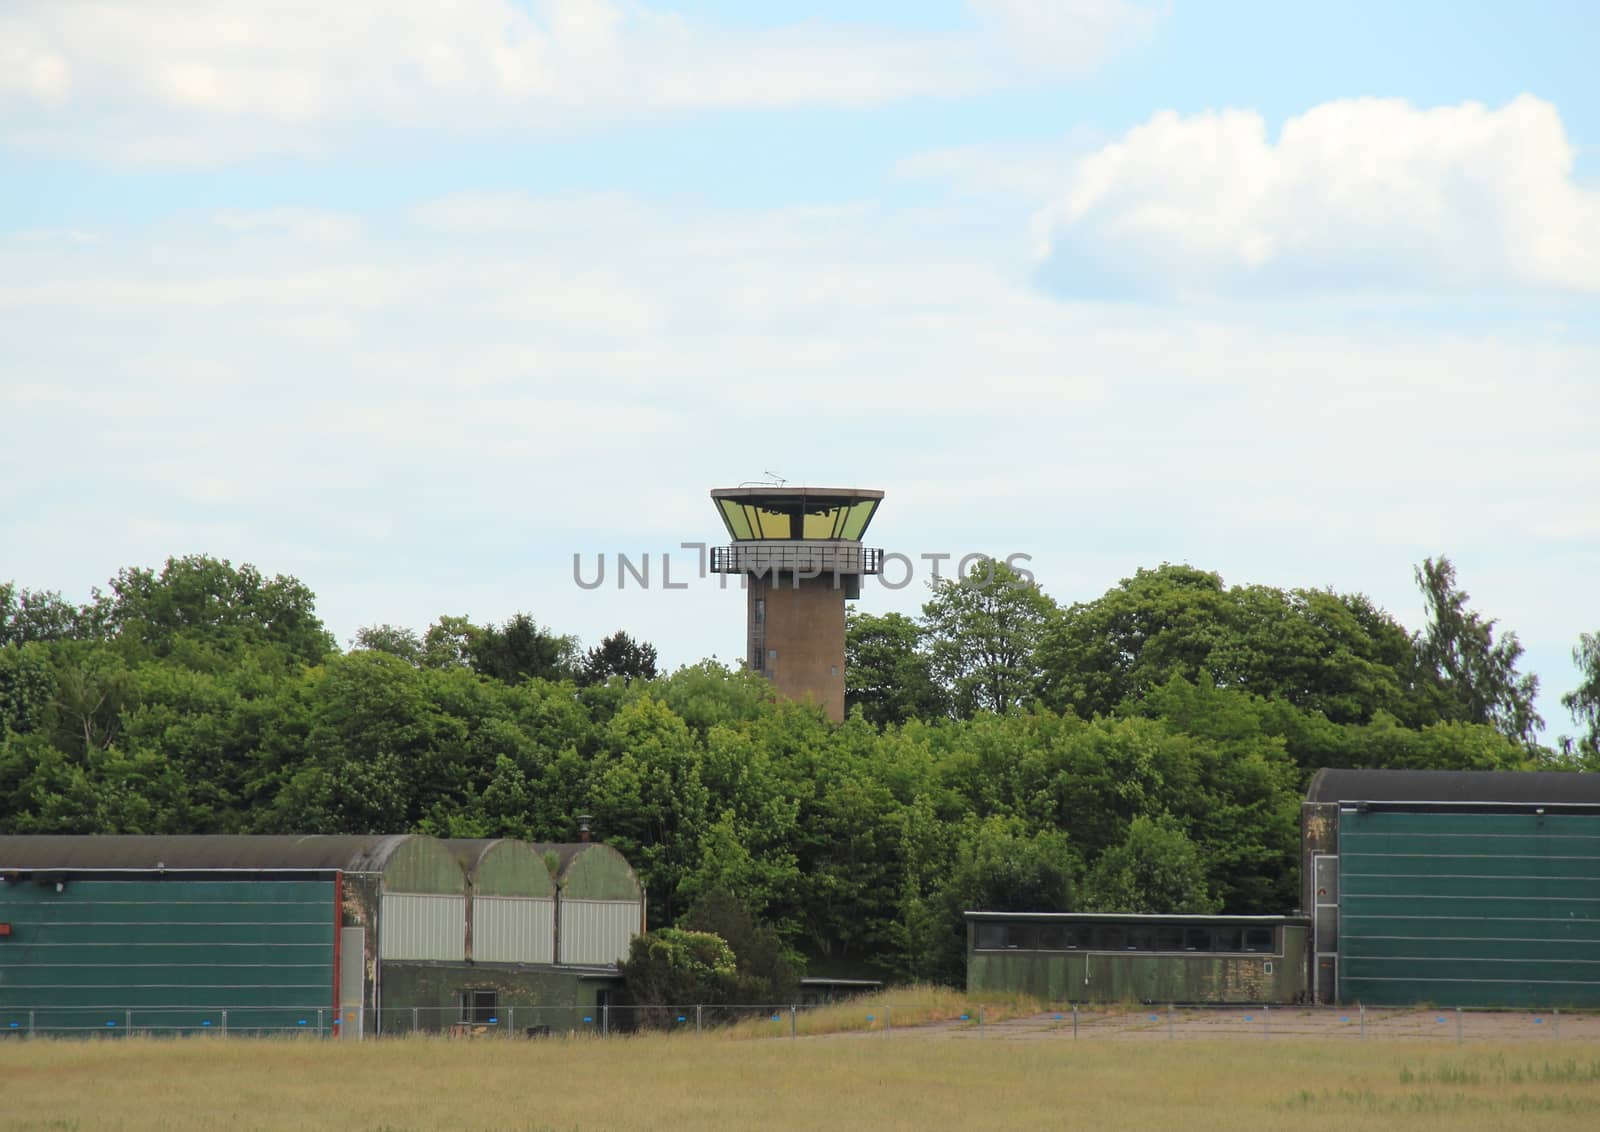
[983,632]
[392,639]
[37,615]
[709,694]
[648,796]
[887,673]
[618,655]
[1156,870]
[1473,676]
[997,864]
[765,972]
[448,643]
[670,968]
[1584,700]
[521,649]
[1336,654]
[93,685]
[27,687]
[850,784]
[202,610]
[388,750]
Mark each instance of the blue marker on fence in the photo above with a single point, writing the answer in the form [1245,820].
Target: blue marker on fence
[302,1022]
[1248,1018]
[681,1018]
[588,1018]
[870,1018]
[774,1017]
[1153,1018]
[16,1025]
[1440,1020]
[1538,1021]
[206,1022]
[1058,1017]
[1345,1018]
[110,1023]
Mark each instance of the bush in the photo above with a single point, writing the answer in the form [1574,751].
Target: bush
[674,967]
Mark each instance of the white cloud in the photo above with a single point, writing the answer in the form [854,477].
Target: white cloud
[1353,194]
[1070,34]
[172,81]
[434,412]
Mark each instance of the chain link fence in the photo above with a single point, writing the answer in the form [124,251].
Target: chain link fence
[797,1020]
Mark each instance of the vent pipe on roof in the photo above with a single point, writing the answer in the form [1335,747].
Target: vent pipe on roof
[583,827]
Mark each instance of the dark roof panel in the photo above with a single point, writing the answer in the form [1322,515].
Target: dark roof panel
[253,851]
[1453,786]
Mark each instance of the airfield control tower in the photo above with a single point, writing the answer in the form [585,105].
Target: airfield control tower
[799,550]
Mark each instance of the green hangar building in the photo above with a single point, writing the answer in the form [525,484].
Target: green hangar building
[342,935]
[1472,888]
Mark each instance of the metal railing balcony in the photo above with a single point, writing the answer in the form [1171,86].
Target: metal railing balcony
[808,559]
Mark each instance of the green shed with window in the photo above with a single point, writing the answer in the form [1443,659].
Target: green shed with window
[1105,957]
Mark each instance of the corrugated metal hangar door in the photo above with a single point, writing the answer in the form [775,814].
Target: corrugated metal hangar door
[167,955]
[1469,908]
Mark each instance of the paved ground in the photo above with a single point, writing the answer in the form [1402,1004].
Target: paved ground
[1258,1024]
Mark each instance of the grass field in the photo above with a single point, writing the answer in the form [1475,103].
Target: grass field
[846,1081]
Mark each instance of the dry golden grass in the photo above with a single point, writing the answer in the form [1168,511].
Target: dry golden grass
[680,1081]
[904,1007]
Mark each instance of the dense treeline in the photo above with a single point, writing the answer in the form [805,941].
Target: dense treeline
[1142,752]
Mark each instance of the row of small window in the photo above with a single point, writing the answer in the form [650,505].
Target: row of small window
[1123,937]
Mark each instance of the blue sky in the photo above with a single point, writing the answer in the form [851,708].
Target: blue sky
[417,306]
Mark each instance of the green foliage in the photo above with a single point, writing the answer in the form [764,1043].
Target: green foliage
[618,655]
[887,673]
[765,972]
[1473,676]
[993,863]
[671,967]
[983,632]
[521,649]
[1156,869]
[1334,654]
[1187,718]
[37,615]
[1584,700]
[393,639]
[203,611]
[27,682]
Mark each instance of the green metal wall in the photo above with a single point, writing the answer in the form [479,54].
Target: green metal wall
[167,955]
[1462,909]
